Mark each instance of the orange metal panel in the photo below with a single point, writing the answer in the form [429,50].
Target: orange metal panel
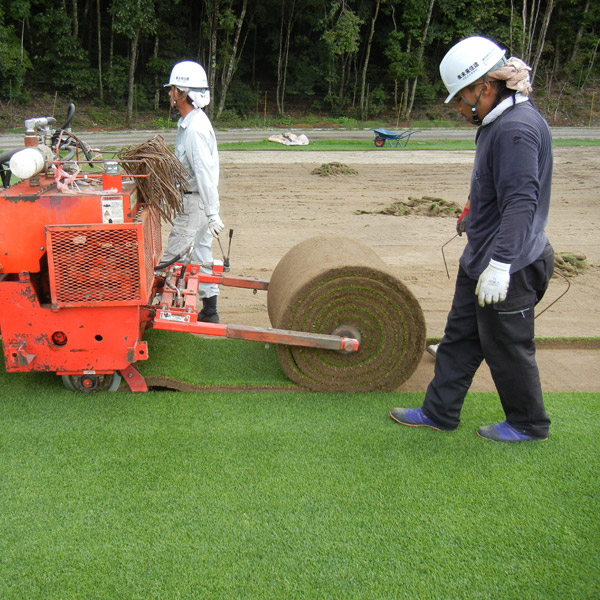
[70,340]
[26,210]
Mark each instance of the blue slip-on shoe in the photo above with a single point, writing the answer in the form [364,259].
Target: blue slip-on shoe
[414,417]
[505,432]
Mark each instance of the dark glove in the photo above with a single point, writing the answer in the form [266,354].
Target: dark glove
[463,222]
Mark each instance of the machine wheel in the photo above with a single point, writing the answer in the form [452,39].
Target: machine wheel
[92,383]
[379,142]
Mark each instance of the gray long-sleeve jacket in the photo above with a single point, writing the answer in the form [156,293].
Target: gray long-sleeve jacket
[510,191]
[196,148]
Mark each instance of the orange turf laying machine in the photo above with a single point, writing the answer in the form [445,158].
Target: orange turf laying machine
[79,284]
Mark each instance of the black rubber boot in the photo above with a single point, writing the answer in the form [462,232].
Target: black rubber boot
[209,314]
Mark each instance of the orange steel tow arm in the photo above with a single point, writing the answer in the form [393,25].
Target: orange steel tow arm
[184,318]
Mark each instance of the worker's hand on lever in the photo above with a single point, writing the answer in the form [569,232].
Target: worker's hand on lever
[215,224]
[492,285]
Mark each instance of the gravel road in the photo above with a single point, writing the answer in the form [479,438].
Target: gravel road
[119,139]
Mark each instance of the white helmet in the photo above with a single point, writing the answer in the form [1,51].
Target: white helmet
[188,74]
[467,61]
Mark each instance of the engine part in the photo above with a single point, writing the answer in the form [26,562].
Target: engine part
[30,161]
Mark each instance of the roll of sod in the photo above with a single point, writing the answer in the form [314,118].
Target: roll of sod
[333,284]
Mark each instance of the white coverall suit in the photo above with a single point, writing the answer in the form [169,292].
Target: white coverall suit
[196,148]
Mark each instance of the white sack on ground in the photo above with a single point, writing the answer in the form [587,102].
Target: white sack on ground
[290,139]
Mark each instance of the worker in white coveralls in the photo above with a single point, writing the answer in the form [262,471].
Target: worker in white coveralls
[196,148]
[507,262]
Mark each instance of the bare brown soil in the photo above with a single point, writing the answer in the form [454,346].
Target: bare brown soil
[272,201]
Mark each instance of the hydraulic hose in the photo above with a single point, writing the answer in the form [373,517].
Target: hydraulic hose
[164,265]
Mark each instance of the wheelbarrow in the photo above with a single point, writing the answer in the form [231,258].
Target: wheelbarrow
[395,139]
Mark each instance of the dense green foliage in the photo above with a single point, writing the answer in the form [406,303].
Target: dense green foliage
[355,57]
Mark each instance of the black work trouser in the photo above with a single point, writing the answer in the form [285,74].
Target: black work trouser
[502,334]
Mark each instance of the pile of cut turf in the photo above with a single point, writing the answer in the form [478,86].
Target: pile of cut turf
[333,169]
[569,264]
[427,206]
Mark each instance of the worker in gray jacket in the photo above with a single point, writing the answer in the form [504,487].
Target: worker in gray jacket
[196,148]
[507,263]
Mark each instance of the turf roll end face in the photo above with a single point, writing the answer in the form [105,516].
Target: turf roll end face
[331,282]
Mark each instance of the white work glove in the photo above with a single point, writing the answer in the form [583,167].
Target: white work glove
[215,224]
[493,283]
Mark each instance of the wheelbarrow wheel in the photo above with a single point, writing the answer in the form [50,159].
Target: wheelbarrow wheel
[379,141]
[92,383]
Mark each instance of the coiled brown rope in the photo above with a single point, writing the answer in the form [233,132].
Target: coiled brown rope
[165,178]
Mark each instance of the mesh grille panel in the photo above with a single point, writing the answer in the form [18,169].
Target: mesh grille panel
[95,265]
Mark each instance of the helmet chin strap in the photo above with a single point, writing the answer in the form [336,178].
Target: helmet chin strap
[475,116]
[473,105]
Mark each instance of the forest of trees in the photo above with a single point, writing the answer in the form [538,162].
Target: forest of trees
[343,57]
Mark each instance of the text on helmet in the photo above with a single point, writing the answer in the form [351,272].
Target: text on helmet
[468,71]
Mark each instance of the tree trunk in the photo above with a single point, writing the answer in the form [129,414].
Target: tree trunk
[344,76]
[132,64]
[199,53]
[557,54]
[510,28]
[285,34]
[542,39]
[420,54]
[229,72]
[286,61]
[111,47]
[22,45]
[592,59]
[405,92]
[212,59]
[75,20]
[156,82]
[525,35]
[278,92]
[99,37]
[579,33]
[363,81]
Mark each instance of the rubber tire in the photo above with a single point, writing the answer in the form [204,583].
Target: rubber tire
[106,383]
[379,142]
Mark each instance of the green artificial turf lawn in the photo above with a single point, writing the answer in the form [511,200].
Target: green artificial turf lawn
[283,495]
[211,361]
